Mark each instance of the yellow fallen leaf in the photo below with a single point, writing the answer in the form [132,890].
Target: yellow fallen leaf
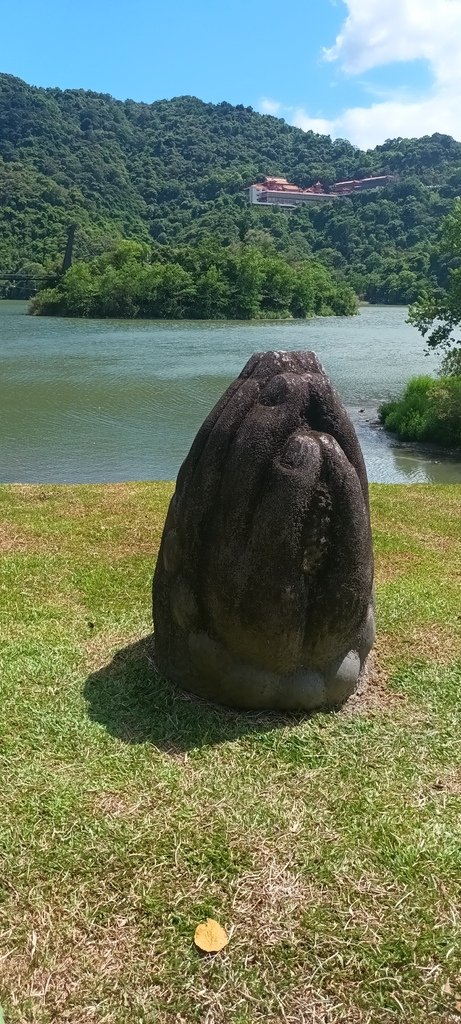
[446,989]
[210,937]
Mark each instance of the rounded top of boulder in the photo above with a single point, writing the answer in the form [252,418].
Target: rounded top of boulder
[298,385]
[266,364]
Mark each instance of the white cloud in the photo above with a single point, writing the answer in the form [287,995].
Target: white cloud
[376,34]
[301,119]
[268,106]
[368,126]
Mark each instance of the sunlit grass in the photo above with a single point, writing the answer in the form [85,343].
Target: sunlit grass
[329,847]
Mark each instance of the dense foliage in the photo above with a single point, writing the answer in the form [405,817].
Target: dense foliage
[429,410]
[438,313]
[233,282]
[175,171]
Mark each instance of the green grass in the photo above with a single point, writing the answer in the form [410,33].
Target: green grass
[428,410]
[329,846]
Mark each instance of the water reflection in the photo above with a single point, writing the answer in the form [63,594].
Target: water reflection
[418,467]
[390,461]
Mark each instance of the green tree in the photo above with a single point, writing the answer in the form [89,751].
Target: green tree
[437,315]
[277,285]
[212,294]
[77,291]
[247,270]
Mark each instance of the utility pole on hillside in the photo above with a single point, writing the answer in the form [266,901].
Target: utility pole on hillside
[67,261]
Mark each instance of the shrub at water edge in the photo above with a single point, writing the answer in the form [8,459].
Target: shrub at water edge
[429,410]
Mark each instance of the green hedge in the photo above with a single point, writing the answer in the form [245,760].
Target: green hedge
[429,410]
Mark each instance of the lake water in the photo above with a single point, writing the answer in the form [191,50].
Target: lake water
[105,400]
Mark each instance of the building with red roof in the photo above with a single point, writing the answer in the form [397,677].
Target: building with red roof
[280,192]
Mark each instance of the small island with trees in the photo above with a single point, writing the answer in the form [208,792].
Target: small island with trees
[237,282]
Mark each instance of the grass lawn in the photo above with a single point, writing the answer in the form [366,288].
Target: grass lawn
[330,846]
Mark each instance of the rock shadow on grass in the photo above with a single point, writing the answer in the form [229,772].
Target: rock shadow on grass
[137,705]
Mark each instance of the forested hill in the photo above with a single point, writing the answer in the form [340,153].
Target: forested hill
[175,171]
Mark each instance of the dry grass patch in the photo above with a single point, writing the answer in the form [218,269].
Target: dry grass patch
[373,694]
[117,805]
[117,520]
[431,642]
[63,967]
[269,898]
[17,541]
[102,647]
[389,565]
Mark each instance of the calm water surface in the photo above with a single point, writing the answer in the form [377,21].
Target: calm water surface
[105,400]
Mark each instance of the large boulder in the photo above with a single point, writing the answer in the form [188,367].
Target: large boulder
[263,589]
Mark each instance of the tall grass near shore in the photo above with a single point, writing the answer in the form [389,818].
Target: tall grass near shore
[428,410]
[329,847]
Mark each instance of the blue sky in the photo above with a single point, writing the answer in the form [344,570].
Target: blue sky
[361,69]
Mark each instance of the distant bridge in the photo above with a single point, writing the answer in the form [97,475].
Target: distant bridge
[43,277]
[28,277]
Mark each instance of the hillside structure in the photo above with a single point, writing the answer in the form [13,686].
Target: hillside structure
[344,188]
[280,192]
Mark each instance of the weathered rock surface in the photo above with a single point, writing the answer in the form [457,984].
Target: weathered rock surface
[263,589]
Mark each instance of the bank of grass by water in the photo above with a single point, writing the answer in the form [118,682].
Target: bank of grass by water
[428,411]
[329,847]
